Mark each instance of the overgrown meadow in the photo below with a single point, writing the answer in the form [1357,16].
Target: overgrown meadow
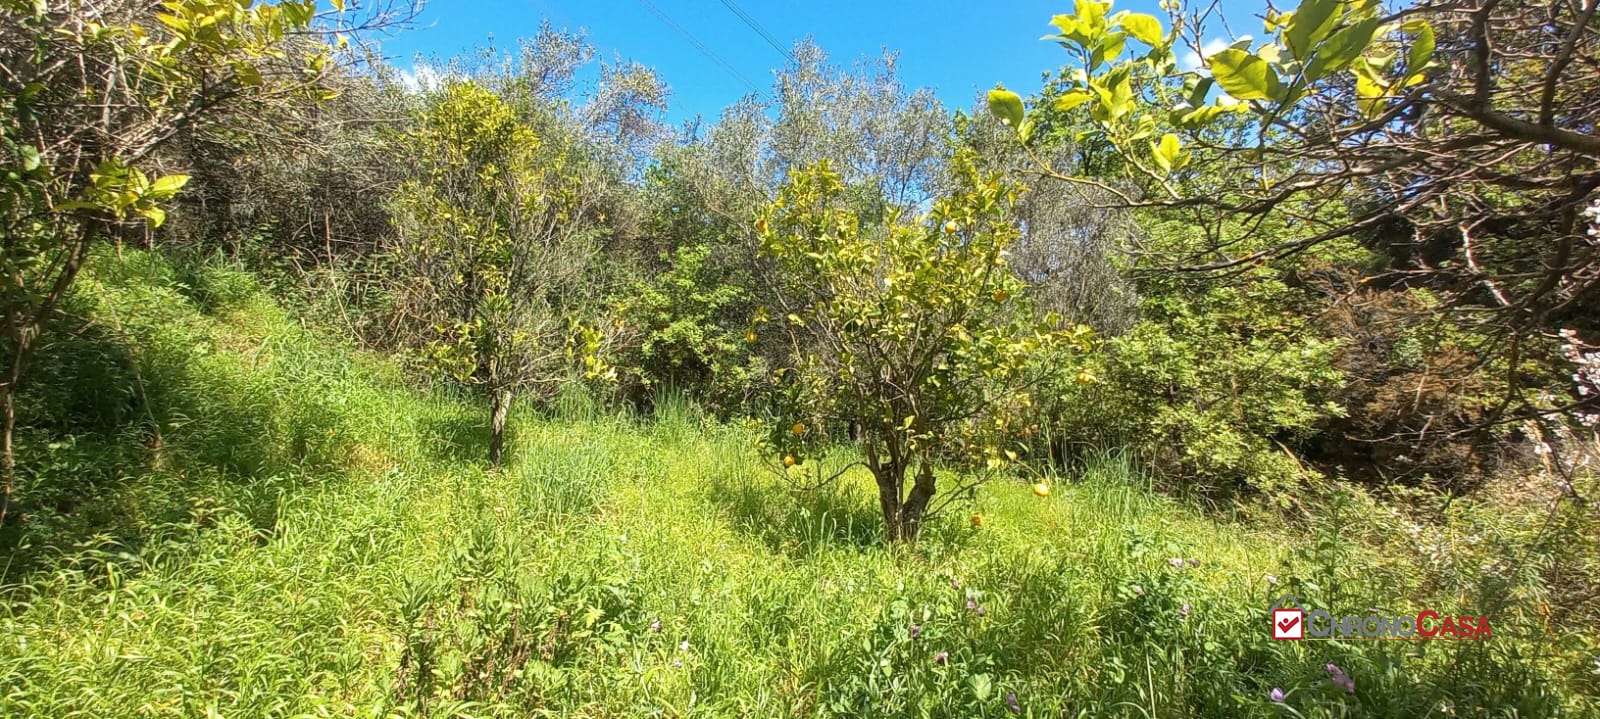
[479,386]
[310,536]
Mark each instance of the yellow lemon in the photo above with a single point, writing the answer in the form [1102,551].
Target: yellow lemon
[1001,295]
[1085,377]
[789,461]
[1041,489]
[950,226]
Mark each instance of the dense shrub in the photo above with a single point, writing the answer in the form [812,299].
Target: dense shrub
[1214,389]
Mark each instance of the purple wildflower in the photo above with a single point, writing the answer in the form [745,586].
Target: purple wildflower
[916,630]
[972,604]
[655,627]
[1184,610]
[1276,695]
[980,611]
[954,584]
[1341,679]
[677,663]
[942,658]
[1138,591]
[1194,562]
[1011,703]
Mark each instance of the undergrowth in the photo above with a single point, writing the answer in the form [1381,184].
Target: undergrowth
[227,513]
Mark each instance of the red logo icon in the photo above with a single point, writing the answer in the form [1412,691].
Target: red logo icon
[1288,624]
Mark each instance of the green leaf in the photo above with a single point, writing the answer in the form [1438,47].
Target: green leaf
[1116,95]
[1144,28]
[982,686]
[1421,49]
[30,157]
[1107,49]
[168,185]
[1198,93]
[1245,76]
[1167,152]
[1007,106]
[1370,94]
[1091,15]
[155,215]
[1072,99]
[1310,23]
[1067,24]
[1341,50]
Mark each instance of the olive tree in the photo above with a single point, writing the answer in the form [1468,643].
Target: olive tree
[914,332]
[494,234]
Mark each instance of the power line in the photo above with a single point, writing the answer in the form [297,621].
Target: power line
[756,26]
[663,17]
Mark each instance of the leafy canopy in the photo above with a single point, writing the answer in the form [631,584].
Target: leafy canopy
[918,332]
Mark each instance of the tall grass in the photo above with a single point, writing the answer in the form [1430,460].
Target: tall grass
[315,538]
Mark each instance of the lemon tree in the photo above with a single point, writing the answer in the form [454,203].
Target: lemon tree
[494,237]
[916,334]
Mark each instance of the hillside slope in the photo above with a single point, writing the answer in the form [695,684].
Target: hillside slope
[231,514]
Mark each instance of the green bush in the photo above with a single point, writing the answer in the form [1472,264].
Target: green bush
[1213,388]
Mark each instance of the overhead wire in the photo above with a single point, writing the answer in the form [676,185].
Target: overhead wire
[733,6]
[667,19]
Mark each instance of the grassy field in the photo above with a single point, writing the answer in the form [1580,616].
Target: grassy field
[307,535]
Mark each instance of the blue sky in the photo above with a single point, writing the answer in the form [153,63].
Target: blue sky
[957,47]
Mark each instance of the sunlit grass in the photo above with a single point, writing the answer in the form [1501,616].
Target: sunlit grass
[350,555]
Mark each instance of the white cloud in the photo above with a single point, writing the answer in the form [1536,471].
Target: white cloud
[419,78]
[1192,60]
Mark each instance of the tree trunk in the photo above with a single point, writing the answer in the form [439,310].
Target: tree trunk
[916,504]
[902,517]
[499,406]
[889,480]
[8,458]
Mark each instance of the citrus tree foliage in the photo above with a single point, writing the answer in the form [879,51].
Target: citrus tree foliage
[916,334]
[90,94]
[700,273]
[1454,137]
[494,235]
